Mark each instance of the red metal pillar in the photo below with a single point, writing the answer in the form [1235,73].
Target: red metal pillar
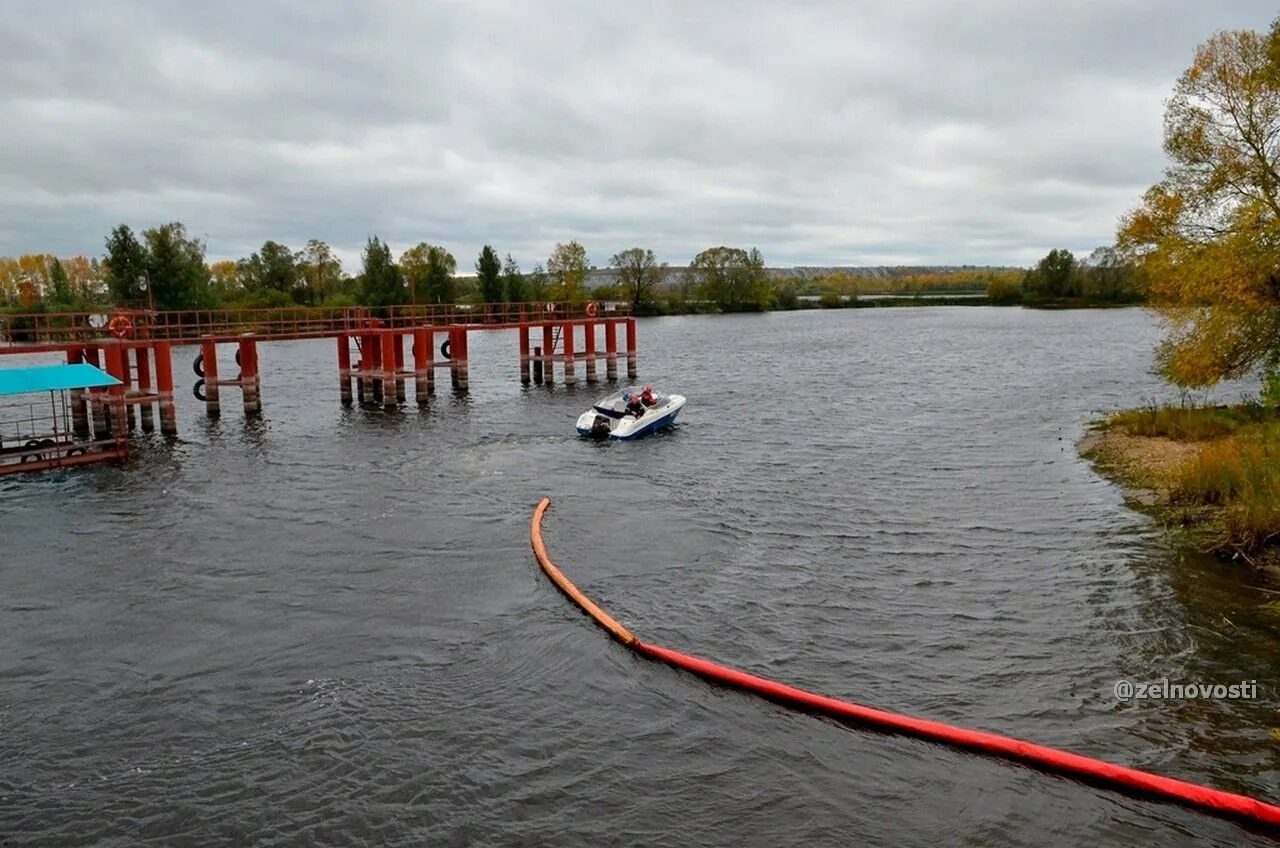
[589,349]
[431,360]
[117,366]
[373,363]
[399,360]
[523,332]
[421,365]
[97,398]
[548,352]
[611,350]
[164,382]
[130,393]
[344,368]
[458,351]
[567,333]
[142,355]
[79,406]
[209,354]
[387,342]
[631,349]
[249,383]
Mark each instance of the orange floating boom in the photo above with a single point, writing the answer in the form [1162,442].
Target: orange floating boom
[1098,772]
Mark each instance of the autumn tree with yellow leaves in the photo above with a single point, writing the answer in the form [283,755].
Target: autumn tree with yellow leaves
[1207,237]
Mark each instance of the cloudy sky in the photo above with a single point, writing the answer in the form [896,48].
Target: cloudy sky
[909,132]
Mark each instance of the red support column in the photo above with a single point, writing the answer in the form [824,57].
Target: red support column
[142,355]
[79,406]
[130,393]
[164,382]
[421,365]
[209,353]
[431,360]
[548,352]
[589,349]
[458,350]
[570,377]
[97,398]
[387,340]
[344,368]
[523,332]
[399,360]
[611,350]
[373,362]
[631,349]
[117,367]
[249,376]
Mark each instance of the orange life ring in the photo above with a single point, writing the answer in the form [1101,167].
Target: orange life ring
[592,309]
[120,326]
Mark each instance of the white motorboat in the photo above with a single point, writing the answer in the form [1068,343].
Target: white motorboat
[628,414]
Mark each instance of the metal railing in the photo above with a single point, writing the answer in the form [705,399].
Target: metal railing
[292,322]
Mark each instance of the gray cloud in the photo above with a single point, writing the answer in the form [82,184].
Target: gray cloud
[824,133]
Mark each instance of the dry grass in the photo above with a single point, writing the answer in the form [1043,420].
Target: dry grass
[1188,423]
[1241,475]
[1219,464]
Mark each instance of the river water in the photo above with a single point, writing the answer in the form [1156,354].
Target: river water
[326,627]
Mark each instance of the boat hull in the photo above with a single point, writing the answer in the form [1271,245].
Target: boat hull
[628,428]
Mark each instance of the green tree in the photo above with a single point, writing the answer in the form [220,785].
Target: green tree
[1055,276]
[60,292]
[489,275]
[1206,239]
[175,269]
[733,278]
[126,265]
[429,270]
[536,284]
[319,272]
[513,287]
[271,269]
[567,268]
[381,283]
[639,274]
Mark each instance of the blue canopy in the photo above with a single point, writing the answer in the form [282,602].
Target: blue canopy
[43,378]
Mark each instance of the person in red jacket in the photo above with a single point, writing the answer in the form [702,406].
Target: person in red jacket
[646,397]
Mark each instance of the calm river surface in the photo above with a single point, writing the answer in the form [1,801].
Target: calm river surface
[326,626]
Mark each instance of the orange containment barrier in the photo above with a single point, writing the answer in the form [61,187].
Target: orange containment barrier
[1050,759]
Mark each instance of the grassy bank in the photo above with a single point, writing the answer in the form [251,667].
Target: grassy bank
[1214,471]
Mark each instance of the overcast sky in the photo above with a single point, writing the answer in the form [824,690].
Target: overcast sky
[905,132]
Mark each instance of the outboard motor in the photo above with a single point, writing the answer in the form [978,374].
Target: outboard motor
[600,427]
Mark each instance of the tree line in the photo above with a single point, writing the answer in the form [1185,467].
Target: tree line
[164,267]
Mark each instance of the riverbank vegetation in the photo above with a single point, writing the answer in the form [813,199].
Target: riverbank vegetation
[1212,470]
[1206,243]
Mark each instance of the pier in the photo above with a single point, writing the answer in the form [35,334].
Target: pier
[379,352]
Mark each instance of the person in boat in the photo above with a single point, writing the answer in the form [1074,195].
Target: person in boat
[646,397]
[635,405]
